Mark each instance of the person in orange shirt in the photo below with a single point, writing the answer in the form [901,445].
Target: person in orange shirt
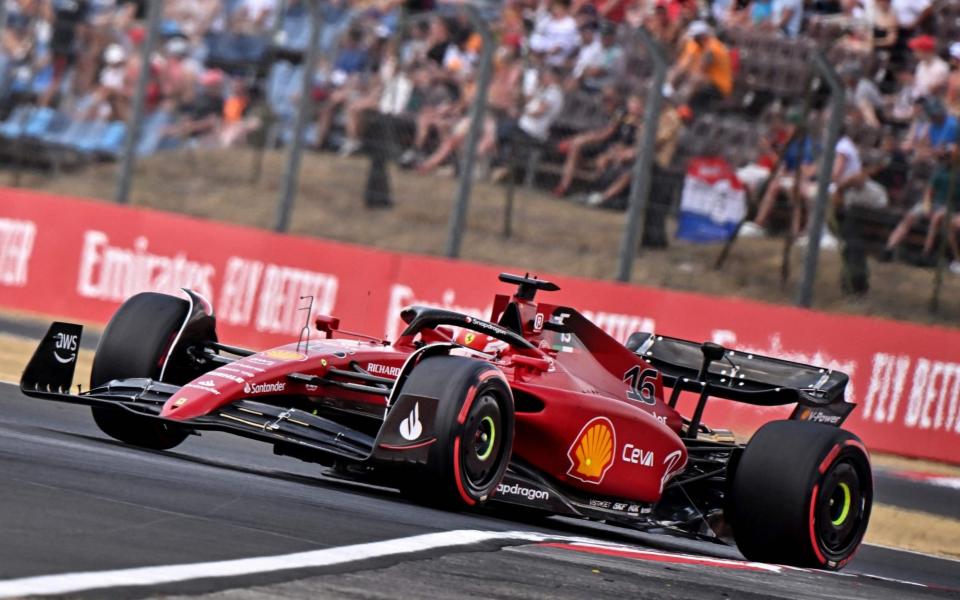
[703,75]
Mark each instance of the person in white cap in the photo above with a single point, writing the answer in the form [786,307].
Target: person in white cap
[176,72]
[113,85]
[703,74]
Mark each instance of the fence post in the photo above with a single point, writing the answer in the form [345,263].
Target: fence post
[642,167]
[946,230]
[260,149]
[291,172]
[458,215]
[129,159]
[815,226]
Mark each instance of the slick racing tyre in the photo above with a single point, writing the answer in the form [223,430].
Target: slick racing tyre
[801,495]
[474,431]
[135,344]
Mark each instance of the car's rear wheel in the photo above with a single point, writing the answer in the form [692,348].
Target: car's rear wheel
[135,344]
[474,431]
[801,495]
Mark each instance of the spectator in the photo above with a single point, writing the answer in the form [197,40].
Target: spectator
[441,108]
[933,207]
[555,32]
[862,93]
[203,116]
[345,85]
[533,127]
[903,103]
[754,14]
[855,184]
[602,63]
[664,28]
[438,38]
[930,75]
[539,112]
[254,17]
[952,234]
[621,129]
[609,11]
[911,14]
[788,16]
[617,161]
[952,97]
[176,72]
[794,176]
[236,122]
[885,33]
[850,185]
[114,89]
[851,20]
[890,165]
[934,134]
[703,74]
[778,133]
[389,93]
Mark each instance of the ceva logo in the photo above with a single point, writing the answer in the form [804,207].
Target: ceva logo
[591,454]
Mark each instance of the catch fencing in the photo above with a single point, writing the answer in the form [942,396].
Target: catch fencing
[348,110]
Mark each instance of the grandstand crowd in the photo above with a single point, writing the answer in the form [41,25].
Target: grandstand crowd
[565,103]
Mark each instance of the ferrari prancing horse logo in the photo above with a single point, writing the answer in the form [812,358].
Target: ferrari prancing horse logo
[591,454]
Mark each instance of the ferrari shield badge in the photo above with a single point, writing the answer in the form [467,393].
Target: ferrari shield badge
[591,454]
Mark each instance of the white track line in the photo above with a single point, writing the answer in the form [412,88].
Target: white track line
[70,583]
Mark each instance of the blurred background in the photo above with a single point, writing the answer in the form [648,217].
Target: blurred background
[791,151]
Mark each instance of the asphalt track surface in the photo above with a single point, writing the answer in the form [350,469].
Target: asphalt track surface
[73,501]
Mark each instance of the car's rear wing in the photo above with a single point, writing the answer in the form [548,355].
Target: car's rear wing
[745,377]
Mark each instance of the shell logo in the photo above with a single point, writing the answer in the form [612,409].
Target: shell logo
[285,355]
[591,454]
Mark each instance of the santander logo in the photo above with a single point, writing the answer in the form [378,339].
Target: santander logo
[263,388]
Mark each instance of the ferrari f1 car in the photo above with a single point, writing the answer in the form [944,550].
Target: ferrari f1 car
[537,408]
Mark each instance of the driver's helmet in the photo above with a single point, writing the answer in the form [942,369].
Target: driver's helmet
[478,341]
[473,339]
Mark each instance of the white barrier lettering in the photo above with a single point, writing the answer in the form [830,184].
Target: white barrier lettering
[280,295]
[620,326]
[238,294]
[16,247]
[886,387]
[114,273]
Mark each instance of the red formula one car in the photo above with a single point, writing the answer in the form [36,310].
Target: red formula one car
[537,407]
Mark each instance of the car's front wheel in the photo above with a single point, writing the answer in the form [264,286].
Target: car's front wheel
[135,344]
[474,430]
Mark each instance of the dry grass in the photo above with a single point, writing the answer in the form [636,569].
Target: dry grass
[550,235]
[16,351]
[914,530]
[900,463]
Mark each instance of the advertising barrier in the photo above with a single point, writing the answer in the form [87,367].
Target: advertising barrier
[80,259]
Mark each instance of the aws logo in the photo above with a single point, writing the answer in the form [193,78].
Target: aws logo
[591,454]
